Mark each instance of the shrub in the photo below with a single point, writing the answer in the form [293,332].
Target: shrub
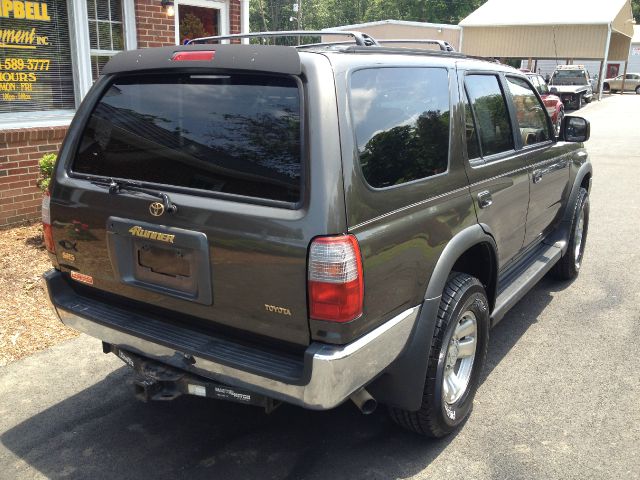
[46,164]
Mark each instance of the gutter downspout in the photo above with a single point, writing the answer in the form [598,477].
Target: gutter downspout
[244,19]
[604,63]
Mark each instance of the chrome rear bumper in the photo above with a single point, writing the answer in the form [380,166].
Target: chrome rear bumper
[334,372]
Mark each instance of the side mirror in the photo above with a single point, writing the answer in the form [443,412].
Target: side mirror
[575,129]
[553,90]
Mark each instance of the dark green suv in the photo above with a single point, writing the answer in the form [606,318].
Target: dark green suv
[309,225]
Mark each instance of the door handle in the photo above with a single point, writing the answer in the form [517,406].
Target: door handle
[484,199]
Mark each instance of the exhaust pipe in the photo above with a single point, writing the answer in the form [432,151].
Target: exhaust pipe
[364,401]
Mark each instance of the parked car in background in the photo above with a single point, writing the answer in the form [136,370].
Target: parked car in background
[572,84]
[553,103]
[631,83]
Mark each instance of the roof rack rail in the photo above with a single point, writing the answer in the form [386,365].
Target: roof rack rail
[444,46]
[361,39]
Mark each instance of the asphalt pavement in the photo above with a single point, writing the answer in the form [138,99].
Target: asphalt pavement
[561,397]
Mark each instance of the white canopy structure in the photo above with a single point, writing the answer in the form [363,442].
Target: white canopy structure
[557,29]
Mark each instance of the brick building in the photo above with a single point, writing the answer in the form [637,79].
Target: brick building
[51,51]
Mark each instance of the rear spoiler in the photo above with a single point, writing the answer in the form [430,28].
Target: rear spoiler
[263,58]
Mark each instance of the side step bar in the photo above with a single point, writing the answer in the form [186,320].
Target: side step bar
[519,283]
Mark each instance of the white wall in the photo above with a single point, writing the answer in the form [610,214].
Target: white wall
[634,60]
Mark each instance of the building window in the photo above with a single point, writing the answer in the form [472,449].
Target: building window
[106,32]
[200,18]
[35,58]
[53,51]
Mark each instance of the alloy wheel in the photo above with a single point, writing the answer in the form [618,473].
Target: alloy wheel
[461,353]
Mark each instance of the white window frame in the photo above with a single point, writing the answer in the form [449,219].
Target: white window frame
[81,64]
[223,15]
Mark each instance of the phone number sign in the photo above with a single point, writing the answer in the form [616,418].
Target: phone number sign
[35,56]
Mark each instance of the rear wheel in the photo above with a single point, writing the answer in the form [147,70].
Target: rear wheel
[638,90]
[569,265]
[457,356]
[606,87]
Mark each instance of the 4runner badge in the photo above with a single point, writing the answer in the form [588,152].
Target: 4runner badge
[156,209]
[151,235]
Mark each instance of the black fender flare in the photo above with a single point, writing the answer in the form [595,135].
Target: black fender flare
[460,243]
[561,236]
[585,169]
[402,383]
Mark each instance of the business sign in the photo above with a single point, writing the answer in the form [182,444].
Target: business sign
[635,51]
[35,57]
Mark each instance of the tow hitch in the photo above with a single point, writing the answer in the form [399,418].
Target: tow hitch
[160,382]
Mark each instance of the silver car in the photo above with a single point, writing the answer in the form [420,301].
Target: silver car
[631,83]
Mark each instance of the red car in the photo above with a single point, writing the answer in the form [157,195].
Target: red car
[553,104]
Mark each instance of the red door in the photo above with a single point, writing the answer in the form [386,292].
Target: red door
[612,70]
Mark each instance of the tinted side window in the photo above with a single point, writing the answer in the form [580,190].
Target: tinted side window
[541,85]
[530,113]
[473,148]
[235,134]
[490,108]
[401,119]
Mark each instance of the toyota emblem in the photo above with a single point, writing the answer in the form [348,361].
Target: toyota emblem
[156,209]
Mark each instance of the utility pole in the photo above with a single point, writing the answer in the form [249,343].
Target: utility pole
[297,9]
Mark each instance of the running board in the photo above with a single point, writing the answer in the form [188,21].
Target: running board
[517,286]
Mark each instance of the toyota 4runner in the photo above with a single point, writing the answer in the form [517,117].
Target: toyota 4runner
[309,225]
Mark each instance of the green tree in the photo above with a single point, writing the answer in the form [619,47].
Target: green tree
[635,5]
[433,11]
[192,27]
[318,14]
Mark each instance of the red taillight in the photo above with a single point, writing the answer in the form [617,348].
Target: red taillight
[194,56]
[336,286]
[46,222]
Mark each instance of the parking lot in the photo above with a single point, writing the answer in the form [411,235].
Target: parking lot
[560,398]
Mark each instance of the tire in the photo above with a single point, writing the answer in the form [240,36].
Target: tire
[638,90]
[606,87]
[464,305]
[558,124]
[569,265]
[587,100]
[579,102]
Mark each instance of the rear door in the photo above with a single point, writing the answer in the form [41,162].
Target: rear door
[547,159]
[498,175]
[229,149]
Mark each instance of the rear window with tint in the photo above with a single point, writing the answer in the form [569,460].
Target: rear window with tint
[234,134]
[401,118]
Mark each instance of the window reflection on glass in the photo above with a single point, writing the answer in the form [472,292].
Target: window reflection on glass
[401,118]
[490,109]
[530,113]
[233,134]
[197,22]
[473,148]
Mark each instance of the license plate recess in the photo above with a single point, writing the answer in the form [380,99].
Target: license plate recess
[168,260]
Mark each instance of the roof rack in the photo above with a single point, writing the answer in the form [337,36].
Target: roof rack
[361,39]
[444,46]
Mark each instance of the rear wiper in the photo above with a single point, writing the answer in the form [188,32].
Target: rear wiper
[117,186]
